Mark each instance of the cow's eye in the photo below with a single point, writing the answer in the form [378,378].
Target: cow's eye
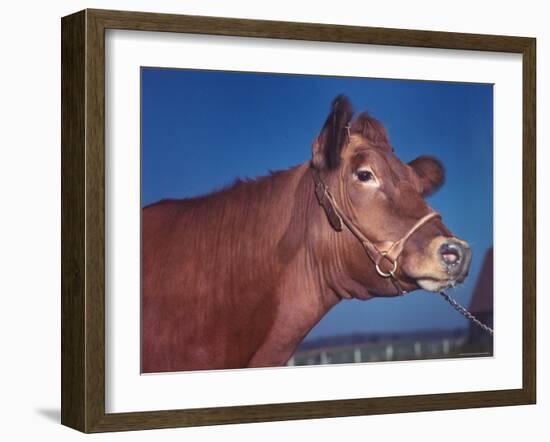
[364,175]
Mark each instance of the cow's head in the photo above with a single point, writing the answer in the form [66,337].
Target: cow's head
[384,198]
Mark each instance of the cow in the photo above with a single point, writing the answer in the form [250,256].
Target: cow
[238,277]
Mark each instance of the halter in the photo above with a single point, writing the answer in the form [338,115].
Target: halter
[338,219]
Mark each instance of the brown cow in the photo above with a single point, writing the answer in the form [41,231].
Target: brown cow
[238,277]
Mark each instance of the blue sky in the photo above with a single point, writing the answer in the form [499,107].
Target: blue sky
[202,129]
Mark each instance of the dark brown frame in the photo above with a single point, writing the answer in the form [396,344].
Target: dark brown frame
[83,216]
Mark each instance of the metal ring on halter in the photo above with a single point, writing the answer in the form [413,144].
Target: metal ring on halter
[390,272]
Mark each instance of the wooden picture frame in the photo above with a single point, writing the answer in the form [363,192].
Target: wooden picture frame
[83,220]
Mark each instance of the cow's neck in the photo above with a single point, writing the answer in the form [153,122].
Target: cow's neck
[308,285]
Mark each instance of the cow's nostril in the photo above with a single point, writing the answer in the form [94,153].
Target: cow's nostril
[450,254]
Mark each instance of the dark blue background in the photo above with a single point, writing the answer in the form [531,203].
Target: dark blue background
[202,129]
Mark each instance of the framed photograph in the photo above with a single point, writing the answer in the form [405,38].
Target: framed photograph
[267,220]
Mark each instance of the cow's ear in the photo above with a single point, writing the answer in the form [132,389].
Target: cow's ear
[328,145]
[431,173]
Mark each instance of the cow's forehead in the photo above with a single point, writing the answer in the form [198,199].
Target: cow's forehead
[360,149]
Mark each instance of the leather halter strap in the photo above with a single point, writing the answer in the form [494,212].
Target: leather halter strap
[338,218]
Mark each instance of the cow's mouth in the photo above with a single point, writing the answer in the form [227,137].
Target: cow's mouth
[437,285]
[432,284]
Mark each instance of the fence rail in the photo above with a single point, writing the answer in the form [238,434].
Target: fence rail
[379,352]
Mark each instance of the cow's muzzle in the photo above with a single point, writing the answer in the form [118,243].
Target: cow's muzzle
[456,256]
